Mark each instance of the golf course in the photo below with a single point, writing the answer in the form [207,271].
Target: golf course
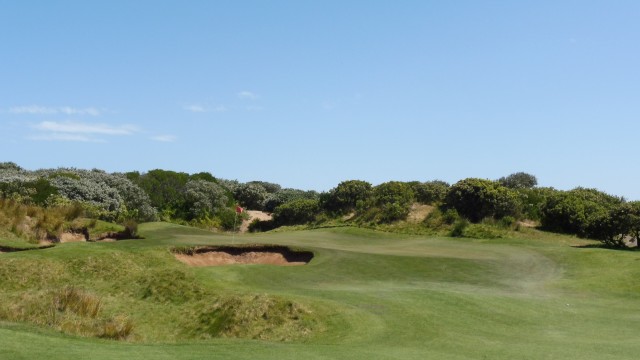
[365,294]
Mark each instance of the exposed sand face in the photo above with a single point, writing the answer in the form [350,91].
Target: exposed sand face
[228,255]
[254,214]
[419,212]
[71,237]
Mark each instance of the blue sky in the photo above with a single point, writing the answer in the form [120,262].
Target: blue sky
[310,93]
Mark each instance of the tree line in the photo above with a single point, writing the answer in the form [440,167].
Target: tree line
[201,199]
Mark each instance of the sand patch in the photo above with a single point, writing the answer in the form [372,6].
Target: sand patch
[419,212]
[253,254]
[254,214]
[528,223]
[72,237]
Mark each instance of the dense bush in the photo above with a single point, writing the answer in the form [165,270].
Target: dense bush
[296,212]
[393,192]
[166,189]
[251,195]
[203,199]
[477,199]
[576,211]
[344,197]
[431,192]
[270,188]
[620,225]
[287,195]
[391,201]
[519,180]
[533,199]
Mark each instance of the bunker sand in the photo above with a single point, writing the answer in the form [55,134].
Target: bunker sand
[242,255]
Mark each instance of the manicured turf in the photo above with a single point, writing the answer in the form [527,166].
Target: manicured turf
[378,296]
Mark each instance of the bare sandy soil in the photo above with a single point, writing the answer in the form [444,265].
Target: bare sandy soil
[71,237]
[419,212]
[254,214]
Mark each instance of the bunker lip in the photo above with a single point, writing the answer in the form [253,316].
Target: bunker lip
[242,254]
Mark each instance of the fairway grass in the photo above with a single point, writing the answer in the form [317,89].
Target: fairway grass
[370,295]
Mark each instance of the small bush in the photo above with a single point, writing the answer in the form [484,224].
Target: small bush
[296,212]
[130,229]
[459,228]
[258,225]
[450,216]
[507,222]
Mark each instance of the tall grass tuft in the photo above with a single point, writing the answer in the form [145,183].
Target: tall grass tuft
[117,328]
[77,301]
[35,223]
[70,310]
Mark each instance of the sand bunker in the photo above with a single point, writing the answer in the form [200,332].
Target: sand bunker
[247,254]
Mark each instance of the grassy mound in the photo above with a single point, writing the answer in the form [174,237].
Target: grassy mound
[261,317]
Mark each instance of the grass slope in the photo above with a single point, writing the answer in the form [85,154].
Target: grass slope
[376,296]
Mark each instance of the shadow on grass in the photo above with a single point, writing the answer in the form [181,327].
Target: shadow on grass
[8,249]
[607,247]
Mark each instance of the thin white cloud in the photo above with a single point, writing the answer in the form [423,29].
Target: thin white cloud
[195,108]
[247,95]
[64,137]
[202,109]
[164,138]
[84,128]
[76,111]
[44,110]
[32,109]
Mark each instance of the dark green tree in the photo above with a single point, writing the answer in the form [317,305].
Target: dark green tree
[477,199]
[576,211]
[431,192]
[394,200]
[620,225]
[519,180]
[344,197]
[250,195]
[296,212]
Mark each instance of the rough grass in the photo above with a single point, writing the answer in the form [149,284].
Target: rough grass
[70,310]
[365,295]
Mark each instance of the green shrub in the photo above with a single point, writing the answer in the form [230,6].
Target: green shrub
[519,180]
[576,211]
[459,228]
[296,212]
[477,199]
[344,197]
[432,192]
